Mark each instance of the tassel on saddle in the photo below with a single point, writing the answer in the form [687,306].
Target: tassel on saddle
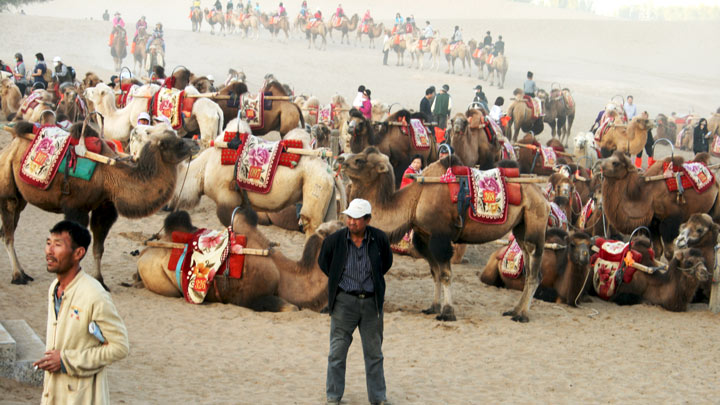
[680,198]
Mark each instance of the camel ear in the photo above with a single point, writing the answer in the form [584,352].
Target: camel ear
[382,169]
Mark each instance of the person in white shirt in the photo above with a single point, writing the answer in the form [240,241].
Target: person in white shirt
[496,110]
[630,108]
[358,102]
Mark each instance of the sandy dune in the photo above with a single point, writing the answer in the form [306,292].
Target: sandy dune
[599,353]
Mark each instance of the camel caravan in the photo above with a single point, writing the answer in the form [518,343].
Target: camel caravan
[569,226]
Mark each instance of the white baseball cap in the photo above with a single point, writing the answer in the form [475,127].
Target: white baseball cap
[144,116]
[358,208]
[210,77]
[57,59]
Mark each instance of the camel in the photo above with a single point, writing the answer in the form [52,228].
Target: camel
[521,117]
[250,23]
[268,283]
[629,201]
[418,53]
[90,80]
[666,128]
[674,289]
[310,182]
[585,152]
[155,56]
[283,117]
[470,141]
[206,115]
[389,140]
[118,47]
[196,18]
[531,160]
[628,139]
[554,108]
[140,51]
[230,22]
[10,96]
[133,190]
[714,123]
[479,56]
[298,25]
[461,52]
[312,31]
[700,232]
[373,31]
[346,26]
[429,211]
[569,102]
[275,24]
[32,114]
[215,17]
[311,109]
[563,268]
[399,43]
[71,104]
[498,69]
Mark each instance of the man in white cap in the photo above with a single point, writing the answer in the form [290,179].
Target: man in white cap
[143,118]
[355,259]
[62,73]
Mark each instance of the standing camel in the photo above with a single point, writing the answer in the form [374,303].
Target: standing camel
[399,44]
[140,52]
[250,24]
[460,51]
[498,69]
[554,109]
[346,26]
[522,117]
[430,212]
[275,25]
[215,17]
[469,138]
[431,47]
[155,56]
[628,138]
[373,31]
[196,17]
[118,47]
[133,190]
[312,31]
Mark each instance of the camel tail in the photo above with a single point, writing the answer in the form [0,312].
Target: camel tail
[396,234]
[272,303]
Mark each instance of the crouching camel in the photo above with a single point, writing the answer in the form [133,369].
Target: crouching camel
[268,283]
[133,190]
[310,182]
[701,232]
[563,270]
[428,210]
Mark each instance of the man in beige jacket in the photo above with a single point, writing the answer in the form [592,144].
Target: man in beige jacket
[84,331]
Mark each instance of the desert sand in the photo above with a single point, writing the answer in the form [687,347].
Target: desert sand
[598,353]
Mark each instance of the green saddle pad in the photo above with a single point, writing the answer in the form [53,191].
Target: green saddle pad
[84,168]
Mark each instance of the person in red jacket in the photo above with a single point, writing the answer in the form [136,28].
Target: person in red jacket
[416,166]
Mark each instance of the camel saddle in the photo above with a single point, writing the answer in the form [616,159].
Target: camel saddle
[476,53]
[512,263]
[715,146]
[610,266]
[569,100]
[534,105]
[125,96]
[424,42]
[257,163]
[417,132]
[557,217]
[586,213]
[228,156]
[483,195]
[252,109]
[207,253]
[312,24]
[172,104]
[688,175]
[30,102]
[490,58]
[451,47]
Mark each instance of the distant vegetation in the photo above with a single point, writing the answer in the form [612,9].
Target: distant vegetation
[6,4]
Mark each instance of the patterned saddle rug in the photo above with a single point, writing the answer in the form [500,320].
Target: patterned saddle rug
[43,157]
[171,104]
[228,156]
[327,114]
[557,217]
[419,134]
[691,175]
[534,105]
[586,213]
[608,265]
[549,157]
[252,109]
[451,47]
[31,102]
[257,163]
[207,253]
[512,263]
[424,42]
[569,100]
[488,196]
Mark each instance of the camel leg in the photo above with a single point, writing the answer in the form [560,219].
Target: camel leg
[533,252]
[420,242]
[448,312]
[10,212]
[101,221]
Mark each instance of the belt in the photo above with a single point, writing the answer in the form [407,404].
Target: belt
[359,294]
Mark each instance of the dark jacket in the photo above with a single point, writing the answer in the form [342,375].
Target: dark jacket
[700,143]
[426,109]
[333,256]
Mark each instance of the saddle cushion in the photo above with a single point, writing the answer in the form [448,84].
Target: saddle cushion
[692,175]
[44,155]
[512,263]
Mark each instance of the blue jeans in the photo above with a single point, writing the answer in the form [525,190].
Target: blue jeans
[350,312]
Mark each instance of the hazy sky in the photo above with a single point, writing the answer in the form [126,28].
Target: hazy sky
[609,6]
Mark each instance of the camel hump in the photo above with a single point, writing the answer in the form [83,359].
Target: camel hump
[22,127]
[178,221]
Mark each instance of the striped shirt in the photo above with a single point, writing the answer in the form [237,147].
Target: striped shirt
[357,275]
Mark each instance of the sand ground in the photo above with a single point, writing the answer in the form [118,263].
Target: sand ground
[599,353]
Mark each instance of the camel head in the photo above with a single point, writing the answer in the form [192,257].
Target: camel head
[562,186]
[98,93]
[357,124]
[617,166]
[699,230]
[369,169]
[580,244]
[641,124]
[321,133]
[5,86]
[691,263]
[584,140]
[459,125]
[90,80]
[164,139]
[328,228]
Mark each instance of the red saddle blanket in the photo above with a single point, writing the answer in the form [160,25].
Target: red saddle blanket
[608,265]
[42,158]
[692,175]
[489,60]
[569,100]
[451,47]
[418,134]
[312,24]
[424,42]
[31,102]
[206,254]
[512,262]
[172,104]
[514,190]
[252,107]
[122,99]
[228,156]
[489,193]
[257,163]
[533,105]
[477,53]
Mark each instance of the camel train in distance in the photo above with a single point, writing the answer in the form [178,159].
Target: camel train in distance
[372,168]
